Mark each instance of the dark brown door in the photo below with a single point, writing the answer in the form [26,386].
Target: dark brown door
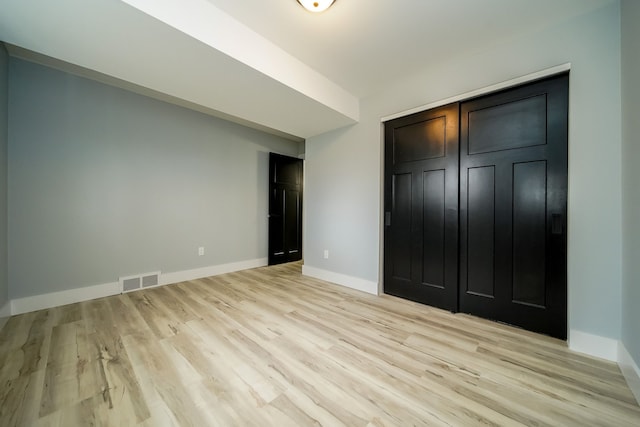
[285,209]
[421,207]
[513,204]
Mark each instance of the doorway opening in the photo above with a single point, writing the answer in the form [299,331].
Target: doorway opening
[285,209]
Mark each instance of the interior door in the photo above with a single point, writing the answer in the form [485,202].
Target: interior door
[285,209]
[513,204]
[421,207]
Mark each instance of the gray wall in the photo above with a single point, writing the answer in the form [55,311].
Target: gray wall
[631,178]
[344,167]
[106,183]
[4,124]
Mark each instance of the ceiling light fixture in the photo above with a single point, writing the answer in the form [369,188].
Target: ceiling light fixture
[316,5]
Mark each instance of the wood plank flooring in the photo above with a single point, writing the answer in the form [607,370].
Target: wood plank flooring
[269,347]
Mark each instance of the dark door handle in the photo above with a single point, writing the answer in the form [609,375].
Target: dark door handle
[387,219]
[556,224]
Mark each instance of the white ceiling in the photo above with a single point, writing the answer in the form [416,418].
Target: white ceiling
[363,44]
[268,64]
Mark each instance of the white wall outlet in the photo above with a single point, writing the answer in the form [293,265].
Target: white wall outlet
[201,251]
[326,254]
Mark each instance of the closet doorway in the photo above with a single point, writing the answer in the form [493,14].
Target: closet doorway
[475,206]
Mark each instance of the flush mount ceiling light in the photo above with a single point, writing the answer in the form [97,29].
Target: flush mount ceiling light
[316,5]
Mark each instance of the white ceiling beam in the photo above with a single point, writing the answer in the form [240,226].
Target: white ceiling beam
[200,56]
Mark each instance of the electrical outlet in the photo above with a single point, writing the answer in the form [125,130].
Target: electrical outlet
[326,254]
[201,251]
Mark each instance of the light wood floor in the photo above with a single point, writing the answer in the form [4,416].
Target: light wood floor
[268,347]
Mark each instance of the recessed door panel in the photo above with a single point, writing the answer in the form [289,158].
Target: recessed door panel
[515,124]
[292,224]
[401,214]
[481,231]
[420,141]
[287,172]
[529,232]
[276,221]
[433,201]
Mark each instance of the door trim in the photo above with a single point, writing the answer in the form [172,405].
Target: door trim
[529,78]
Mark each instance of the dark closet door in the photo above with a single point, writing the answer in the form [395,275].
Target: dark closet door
[421,207]
[285,209]
[513,204]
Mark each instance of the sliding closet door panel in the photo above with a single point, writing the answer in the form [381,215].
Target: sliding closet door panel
[421,208]
[513,265]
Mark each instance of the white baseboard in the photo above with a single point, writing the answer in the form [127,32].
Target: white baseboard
[5,313]
[55,299]
[5,310]
[609,349]
[593,345]
[630,370]
[214,270]
[341,279]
